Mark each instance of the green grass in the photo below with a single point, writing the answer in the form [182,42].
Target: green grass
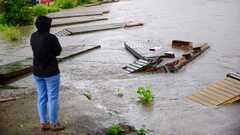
[53,8]
[39,10]
[142,131]
[115,129]
[10,33]
[65,4]
[145,95]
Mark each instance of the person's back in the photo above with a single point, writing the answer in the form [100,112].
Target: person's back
[45,48]
[46,73]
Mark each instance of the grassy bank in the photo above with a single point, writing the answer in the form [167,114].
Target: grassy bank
[16,13]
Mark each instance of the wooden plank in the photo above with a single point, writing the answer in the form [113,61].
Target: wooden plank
[14,71]
[233,85]
[132,67]
[15,66]
[134,52]
[204,98]
[136,65]
[196,99]
[212,97]
[186,45]
[217,95]
[75,21]
[64,32]
[179,63]
[230,101]
[72,51]
[128,69]
[7,99]
[233,80]
[77,14]
[140,63]
[235,76]
[226,90]
[219,91]
[143,61]
[228,86]
[93,28]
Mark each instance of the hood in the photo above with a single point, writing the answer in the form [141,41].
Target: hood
[43,23]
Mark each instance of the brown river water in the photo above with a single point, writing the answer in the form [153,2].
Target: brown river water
[99,72]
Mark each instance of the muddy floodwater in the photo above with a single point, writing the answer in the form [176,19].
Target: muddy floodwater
[100,72]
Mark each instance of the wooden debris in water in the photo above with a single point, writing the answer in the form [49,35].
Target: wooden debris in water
[222,92]
[58,22]
[159,64]
[77,14]
[14,71]
[96,28]
[186,45]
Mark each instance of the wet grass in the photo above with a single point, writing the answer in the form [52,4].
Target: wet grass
[142,131]
[4,87]
[10,33]
[115,129]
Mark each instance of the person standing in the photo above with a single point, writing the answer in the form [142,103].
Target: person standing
[46,74]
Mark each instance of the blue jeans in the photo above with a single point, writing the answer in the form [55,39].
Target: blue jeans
[48,98]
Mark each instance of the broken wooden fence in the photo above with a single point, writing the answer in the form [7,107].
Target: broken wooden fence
[157,63]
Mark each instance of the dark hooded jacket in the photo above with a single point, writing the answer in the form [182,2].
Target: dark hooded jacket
[45,48]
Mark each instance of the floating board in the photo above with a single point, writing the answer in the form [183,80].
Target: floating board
[77,14]
[179,44]
[137,66]
[234,75]
[147,52]
[95,28]
[14,71]
[134,52]
[222,92]
[72,51]
[72,21]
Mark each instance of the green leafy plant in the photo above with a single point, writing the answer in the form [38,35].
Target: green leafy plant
[53,8]
[145,95]
[142,131]
[85,1]
[2,21]
[115,129]
[10,33]
[39,10]
[17,12]
[65,4]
